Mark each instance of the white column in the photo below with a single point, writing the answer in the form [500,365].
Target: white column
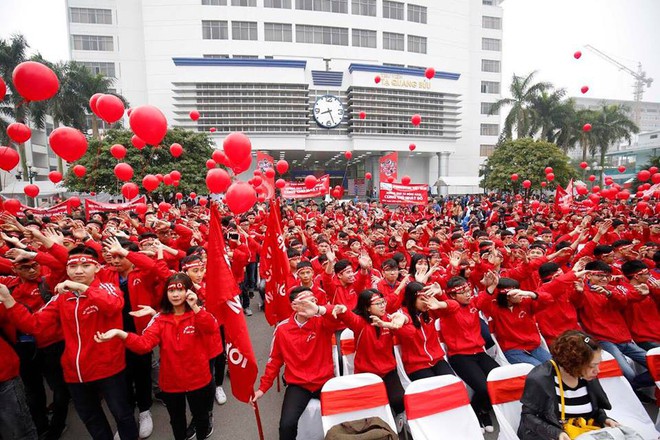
[443,168]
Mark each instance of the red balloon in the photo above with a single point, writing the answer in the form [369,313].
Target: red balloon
[595,198]
[176,149]
[192,195]
[203,202]
[548,170]
[623,195]
[269,173]
[282,166]
[257,180]
[35,81]
[55,176]
[348,155]
[237,148]
[141,208]
[79,170]
[592,178]
[118,151]
[164,207]
[18,132]
[12,206]
[128,112]
[586,127]
[584,89]
[582,189]
[212,129]
[550,177]
[416,120]
[167,179]
[544,184]
[412,147]
[429,73]
[194,115]
[310,181]
[377,79]
[363,115]
[92,102]
[220,157]
[256,172]
[179,196]
[608,180]
[622,169]
[336,194]
[123,171]
[390,179]
[239,168]
[159,177]
[261,198]
[3,89]
[280,183]
[646,186]
[584,165]
[405,180]
[655,178]
[653,170]
[641,206]
[643,175]
[148,123]
[130,190]
[240,197]
[514,177]
[526,184]
[31,190]
[138,142]
[150,182]
[9,158]
[577,55]
[217,180]
[367,176]
[210,164]
[176,175]
[68,143]
[110,108]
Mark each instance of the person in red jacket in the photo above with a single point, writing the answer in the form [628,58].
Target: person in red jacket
[303,344]
[642,316]
[81,307]
[181,329]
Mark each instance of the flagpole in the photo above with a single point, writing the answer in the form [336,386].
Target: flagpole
[258,417]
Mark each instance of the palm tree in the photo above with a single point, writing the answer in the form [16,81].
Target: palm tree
[550,114]
[610,126]
[523,93]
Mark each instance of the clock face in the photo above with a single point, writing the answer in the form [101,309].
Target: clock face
[328,111]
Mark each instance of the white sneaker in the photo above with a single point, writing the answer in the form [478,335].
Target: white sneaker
[116,437]
[247,311]
[220,396]
[146,424]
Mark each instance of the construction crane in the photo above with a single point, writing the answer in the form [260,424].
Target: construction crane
[641,80]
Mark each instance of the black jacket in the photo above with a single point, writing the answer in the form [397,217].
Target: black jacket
[539,419]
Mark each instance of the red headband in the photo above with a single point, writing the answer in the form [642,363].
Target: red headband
[375,298]
[196,263]
[178,285]
[458,288]
[81,259]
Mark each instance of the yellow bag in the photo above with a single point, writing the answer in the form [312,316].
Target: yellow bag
[577,425]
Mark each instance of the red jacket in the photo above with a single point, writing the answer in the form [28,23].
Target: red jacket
[560,315]
[184,360]
[97,309]
[420,347]
[642,316]
[461,329]
[373,353]
[602,317]
[10,362]
[393,301]
[346,295]
[305,351]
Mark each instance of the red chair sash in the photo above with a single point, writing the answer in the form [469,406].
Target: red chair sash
[654,366]
[435,401]
[609,368]
[353,399]
[347,346]
[506,390]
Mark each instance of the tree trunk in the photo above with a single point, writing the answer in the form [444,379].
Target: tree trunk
[95,127]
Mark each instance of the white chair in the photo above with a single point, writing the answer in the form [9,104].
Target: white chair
[505,388]
[347,344]
[354,397]
[309,424]
[439,408]
[653,361]
[496,352]
[336,349]
[626,407]
[401,371]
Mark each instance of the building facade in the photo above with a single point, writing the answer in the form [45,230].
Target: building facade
[259,66]
[649,112]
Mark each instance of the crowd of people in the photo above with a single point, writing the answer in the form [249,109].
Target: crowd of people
[92,304]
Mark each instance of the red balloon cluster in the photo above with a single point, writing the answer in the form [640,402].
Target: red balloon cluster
[35,81]
[18,132]
[148,123]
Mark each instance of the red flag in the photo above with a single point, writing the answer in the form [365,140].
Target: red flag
[265,161]
[274,267]
[223,301]
[389,165]
[564,198]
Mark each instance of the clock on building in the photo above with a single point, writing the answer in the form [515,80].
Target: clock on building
[328,111]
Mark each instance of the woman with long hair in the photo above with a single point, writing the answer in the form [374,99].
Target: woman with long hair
[182,330]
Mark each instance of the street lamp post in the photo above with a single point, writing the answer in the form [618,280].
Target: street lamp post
[31,174]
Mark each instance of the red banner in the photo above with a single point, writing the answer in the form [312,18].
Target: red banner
[298,190]
[92,206]
[265,161]
[400,194]
[59,208]
[389,165]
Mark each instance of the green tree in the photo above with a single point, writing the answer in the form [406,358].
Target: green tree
[523,94]
[100,163]
[552,116]
[528,158]
[653,162]
[611,125]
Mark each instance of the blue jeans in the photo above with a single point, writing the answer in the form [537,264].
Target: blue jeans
[15,420]
[634,352]
[535,357]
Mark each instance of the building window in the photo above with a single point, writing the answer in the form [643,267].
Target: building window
[88,15]
[491,22]
[215,30]
[214,2]
[282,4]
[364,38]
[99,68]
[486,150]
[278,32]
[244,2]
[340,6]
[490,66]
[416,44]
[490,129]
[488,2]
[215,55]
[321,35]
[364,7]
[485,108]
[93,42]
[243,30]
[392,41]
[491,44]
[416,13]
[392,10]
[490,87]
[246,57]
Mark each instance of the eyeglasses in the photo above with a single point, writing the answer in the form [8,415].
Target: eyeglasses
[381,303]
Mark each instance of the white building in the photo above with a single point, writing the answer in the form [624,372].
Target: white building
[258,66]
[649,112]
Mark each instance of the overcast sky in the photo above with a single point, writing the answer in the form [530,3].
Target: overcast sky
[538,35]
